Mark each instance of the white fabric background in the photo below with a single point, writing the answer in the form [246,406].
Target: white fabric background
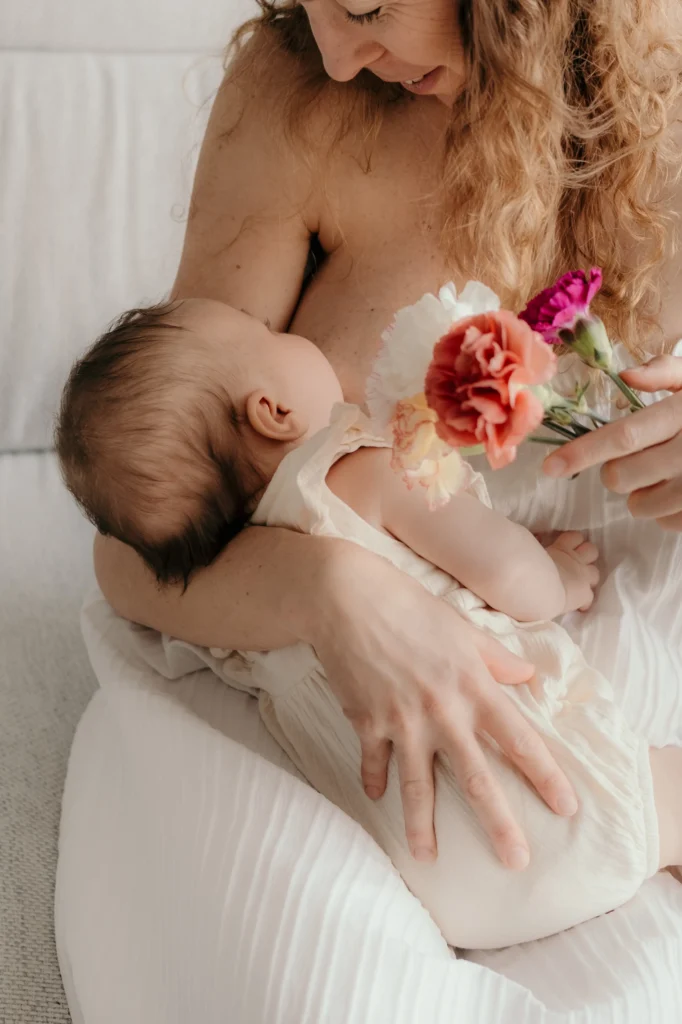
[149,26]
[102,106]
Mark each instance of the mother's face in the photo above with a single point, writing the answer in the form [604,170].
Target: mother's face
[413,42]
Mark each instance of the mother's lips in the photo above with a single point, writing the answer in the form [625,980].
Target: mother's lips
[409,76]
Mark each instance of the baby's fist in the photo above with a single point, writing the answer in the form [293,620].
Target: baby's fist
[575,560]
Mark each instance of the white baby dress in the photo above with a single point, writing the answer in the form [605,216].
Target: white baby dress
[580,867]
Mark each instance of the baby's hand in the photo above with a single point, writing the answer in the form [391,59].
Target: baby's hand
[574,557]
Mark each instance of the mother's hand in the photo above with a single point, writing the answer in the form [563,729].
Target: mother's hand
[413,676]
[642,453]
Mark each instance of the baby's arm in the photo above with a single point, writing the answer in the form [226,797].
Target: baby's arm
[498,560]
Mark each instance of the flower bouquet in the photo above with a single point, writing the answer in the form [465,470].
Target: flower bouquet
[457,375]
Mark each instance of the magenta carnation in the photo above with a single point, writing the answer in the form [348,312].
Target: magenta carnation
[558,307]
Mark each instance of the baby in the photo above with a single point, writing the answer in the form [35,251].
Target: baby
[174,423]
[187,421]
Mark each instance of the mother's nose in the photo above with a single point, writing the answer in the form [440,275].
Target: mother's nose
[345,52]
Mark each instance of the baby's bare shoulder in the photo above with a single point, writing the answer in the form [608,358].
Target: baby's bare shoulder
[357,480]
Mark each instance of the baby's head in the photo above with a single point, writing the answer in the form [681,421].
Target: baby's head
[176,419]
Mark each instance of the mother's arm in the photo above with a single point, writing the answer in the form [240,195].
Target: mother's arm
[258,595]
[250,221]
[251,217]
[252,213]
[409,673]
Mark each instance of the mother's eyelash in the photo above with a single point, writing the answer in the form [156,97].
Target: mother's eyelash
[364,19]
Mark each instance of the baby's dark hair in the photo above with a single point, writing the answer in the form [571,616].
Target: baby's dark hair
[150,444]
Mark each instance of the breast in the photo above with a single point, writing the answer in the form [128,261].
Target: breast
[380,239]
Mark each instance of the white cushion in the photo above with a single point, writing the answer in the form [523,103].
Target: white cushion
[102,107]
[222,888]
[219,887]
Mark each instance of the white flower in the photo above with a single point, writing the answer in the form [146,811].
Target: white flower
[440,478]
[400,367]
[475,298]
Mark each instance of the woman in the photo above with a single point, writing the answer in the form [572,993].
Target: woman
[413,143]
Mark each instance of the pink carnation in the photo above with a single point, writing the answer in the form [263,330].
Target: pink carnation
[558,307]
[477,384]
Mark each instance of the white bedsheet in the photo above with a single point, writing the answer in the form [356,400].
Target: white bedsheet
[232,891]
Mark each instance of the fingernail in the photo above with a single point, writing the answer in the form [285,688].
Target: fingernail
[373,792]
[424,854]
[567,805]
[555,466]
[518,858]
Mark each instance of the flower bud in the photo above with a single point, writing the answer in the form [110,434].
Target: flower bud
[560,408]
[588,339]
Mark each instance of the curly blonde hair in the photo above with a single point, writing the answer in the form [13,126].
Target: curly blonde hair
[559,153]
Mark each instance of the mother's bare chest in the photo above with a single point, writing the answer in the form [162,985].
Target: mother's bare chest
[351,301]
[380,231]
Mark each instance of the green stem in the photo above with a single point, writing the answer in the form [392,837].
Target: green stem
[564,431]
[632,397]
[547,440]
[580,427]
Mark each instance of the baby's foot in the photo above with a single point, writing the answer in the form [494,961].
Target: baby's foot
[676,873]
[574,557]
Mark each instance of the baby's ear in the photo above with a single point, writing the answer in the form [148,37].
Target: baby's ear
[272,420]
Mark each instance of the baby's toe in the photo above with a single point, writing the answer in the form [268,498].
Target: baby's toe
[593,575]
[587,552]
[571,540]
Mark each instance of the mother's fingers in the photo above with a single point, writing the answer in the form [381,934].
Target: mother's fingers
[502,665]
[672,523]
[376,753]
[417,789]
[525,748]
[664,373]
[482,790]
[653,425]
[658,502]
[644,469]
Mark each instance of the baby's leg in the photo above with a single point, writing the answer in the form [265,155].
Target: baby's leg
[666,768]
